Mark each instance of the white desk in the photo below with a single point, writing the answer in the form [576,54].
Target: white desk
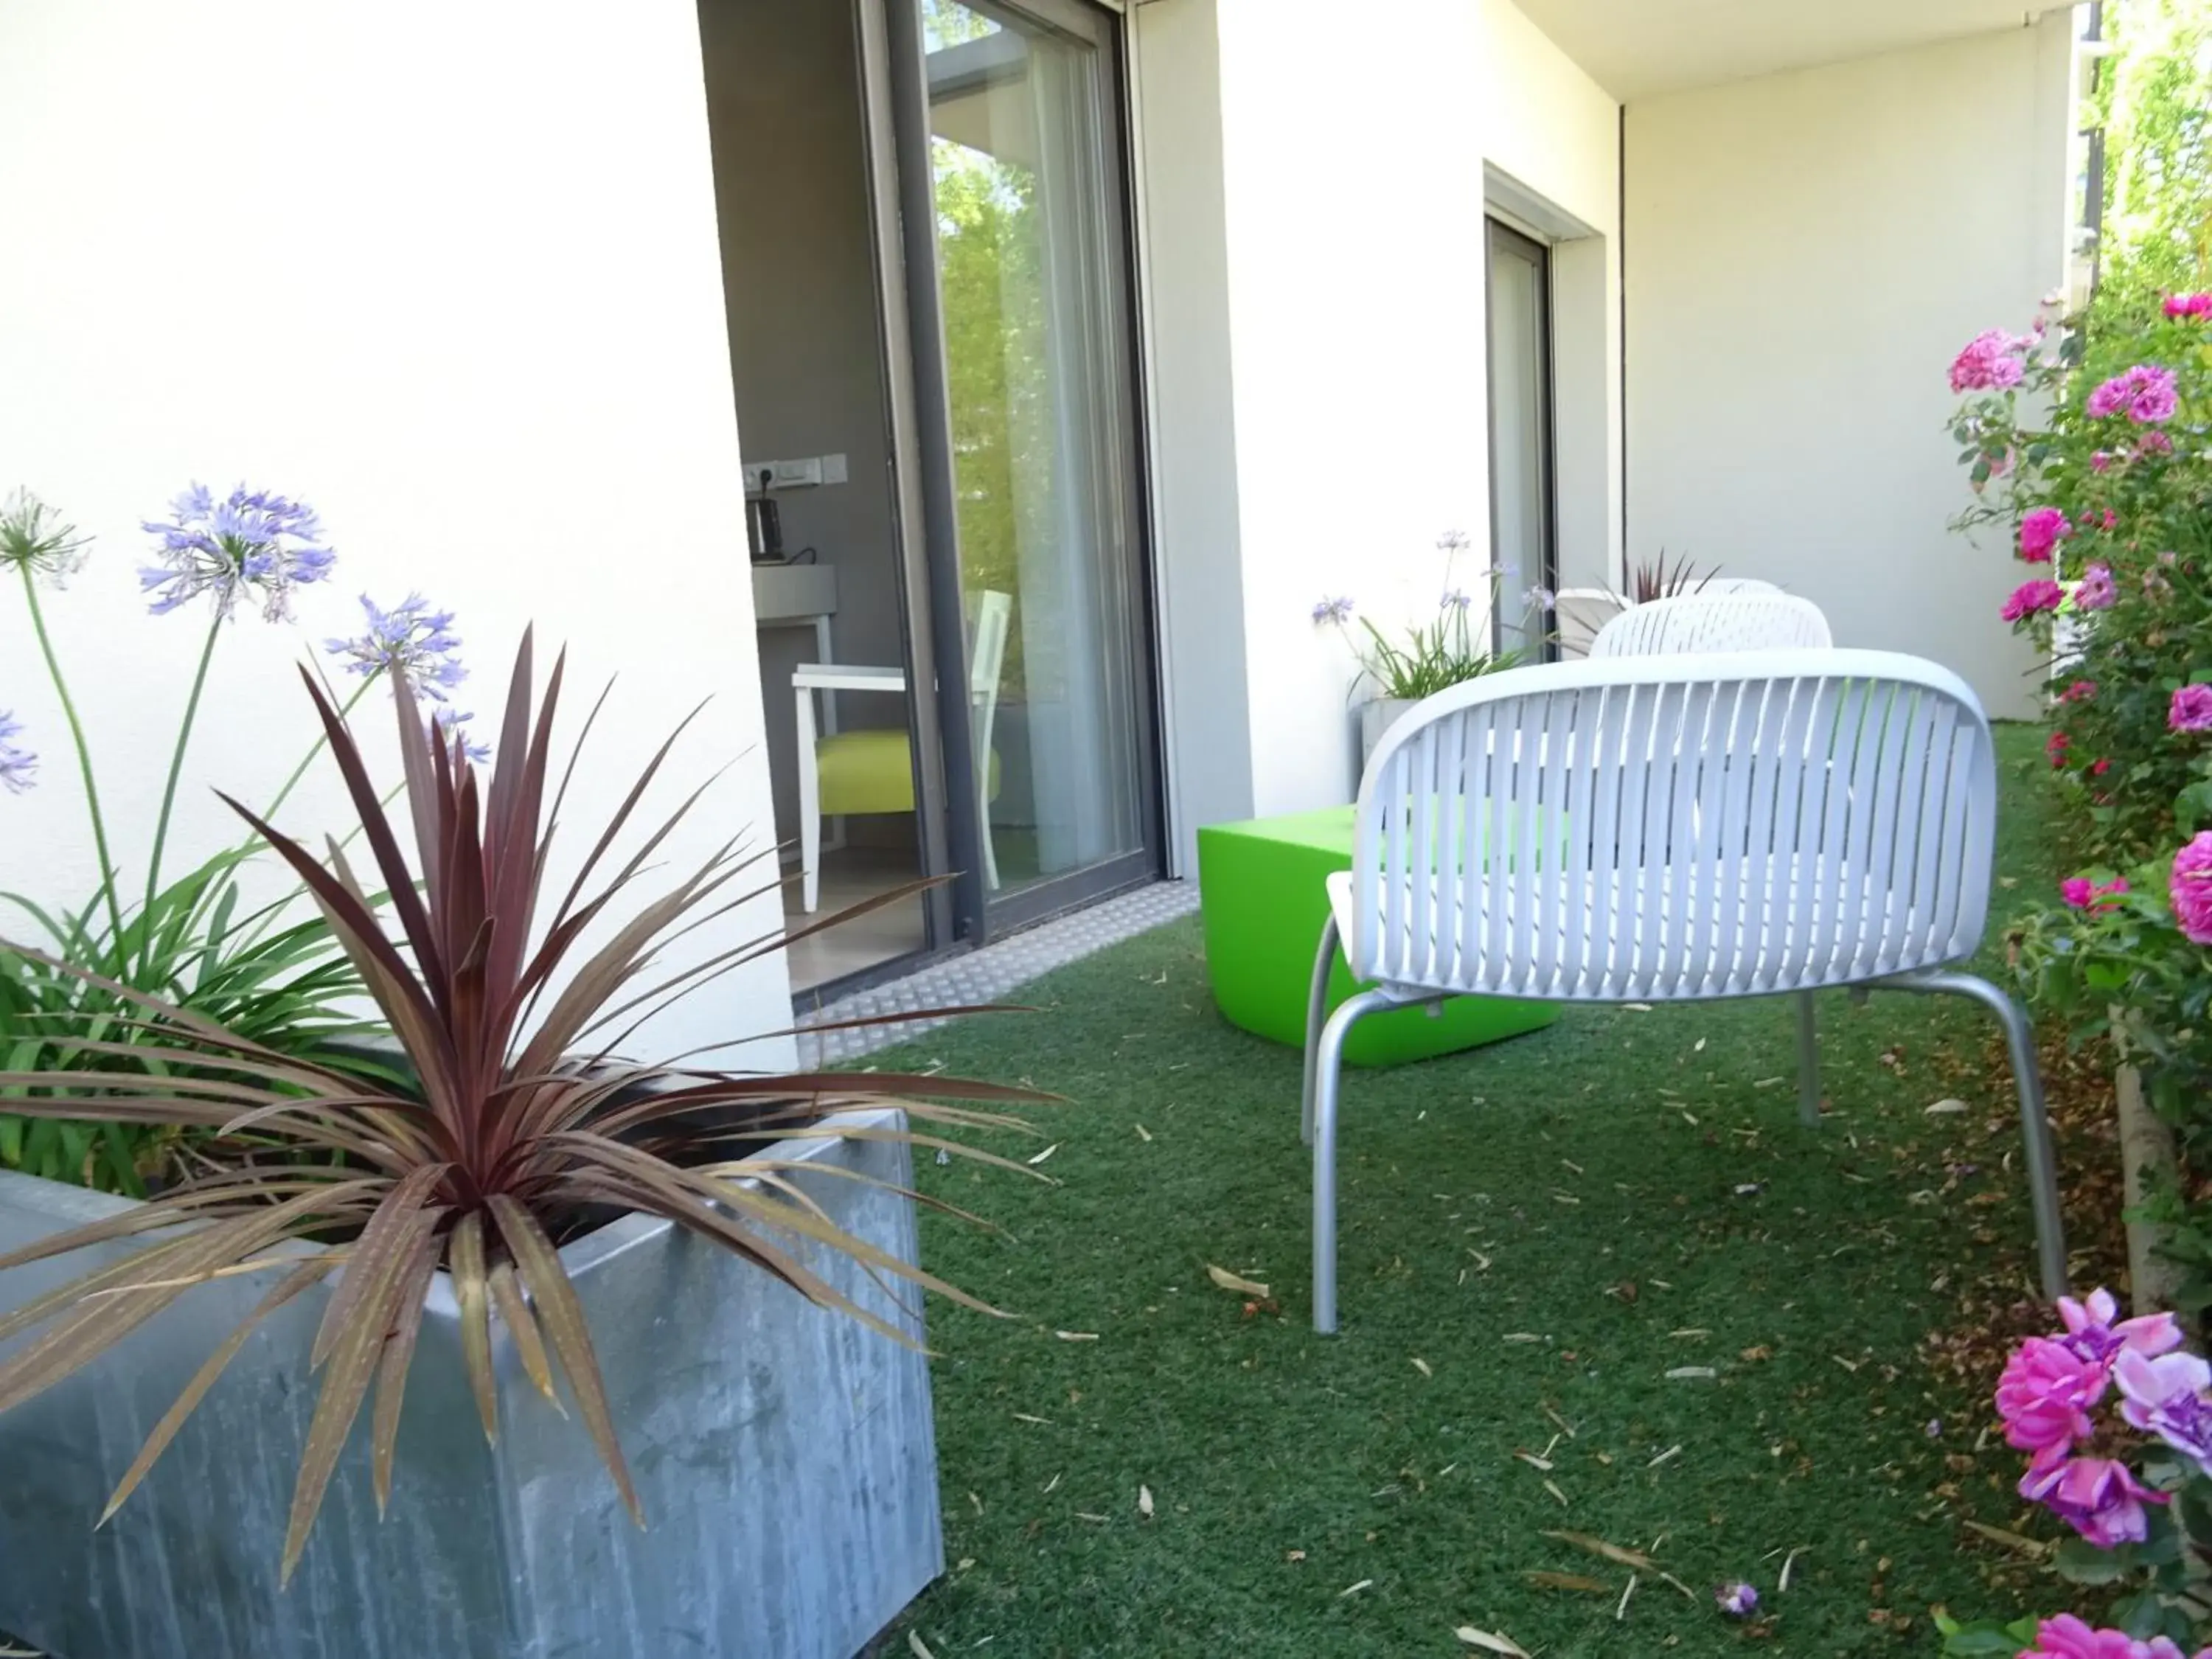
[799,596]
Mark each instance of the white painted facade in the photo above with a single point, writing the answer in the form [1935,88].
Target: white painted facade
[451,273]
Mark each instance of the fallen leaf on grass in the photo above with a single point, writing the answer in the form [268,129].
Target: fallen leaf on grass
[1662,1457]
[1023,1417]
[1237,1282]
[1753,1355]
[1422,1366]
[2011,1541]
[1143,1134]
[1354,1590]
[1690,1373]
[1077,1336]
[1614,1552]
[1568,1581]
[1294,1555]
[1046,1153]
[1947,1108]
[1085,1515]
[1552,1486]
[1534,1461]
[1144,1501]
[917,1647]
[1490,1641]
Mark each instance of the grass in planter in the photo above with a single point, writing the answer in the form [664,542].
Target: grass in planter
[1608,1246]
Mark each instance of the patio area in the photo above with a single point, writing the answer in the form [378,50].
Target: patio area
[1597,1281]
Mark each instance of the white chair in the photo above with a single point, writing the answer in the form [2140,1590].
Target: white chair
[872,770]
[1743,621]
[1671,829]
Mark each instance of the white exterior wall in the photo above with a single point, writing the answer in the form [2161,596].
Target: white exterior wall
[1805,254]
[450,273]
[1556,133]
[1319,375]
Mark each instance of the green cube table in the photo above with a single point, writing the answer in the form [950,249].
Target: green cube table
[1260,887]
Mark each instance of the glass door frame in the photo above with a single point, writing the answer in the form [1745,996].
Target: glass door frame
[895,91]
[1498,236]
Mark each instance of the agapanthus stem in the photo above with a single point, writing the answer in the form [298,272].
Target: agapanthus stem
[176,770]
[83,755]
[208,895]
[269,812]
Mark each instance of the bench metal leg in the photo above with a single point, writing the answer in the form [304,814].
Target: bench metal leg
[1316,1012]
[1808,1063]
[1327,1063]
[2034,1121]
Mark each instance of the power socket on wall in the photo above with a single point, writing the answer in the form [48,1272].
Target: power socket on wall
[795,475]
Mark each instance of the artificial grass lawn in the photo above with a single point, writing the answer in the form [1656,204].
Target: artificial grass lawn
[1533,1237]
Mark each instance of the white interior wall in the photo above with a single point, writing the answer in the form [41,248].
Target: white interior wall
[1807,253]
[783,82]
[450,274]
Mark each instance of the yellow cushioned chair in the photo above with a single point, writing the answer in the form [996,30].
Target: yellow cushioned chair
[858,774]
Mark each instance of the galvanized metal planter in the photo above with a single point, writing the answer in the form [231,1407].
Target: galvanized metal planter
[785,1456]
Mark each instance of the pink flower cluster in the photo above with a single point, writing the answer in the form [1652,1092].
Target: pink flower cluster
[2086,894]
[2052,1382]
[2067,1637]
[1990,363]
[2191,709]
[2030,599]
[2178,306]
[2145,394]
[2040,532]
[2189,887]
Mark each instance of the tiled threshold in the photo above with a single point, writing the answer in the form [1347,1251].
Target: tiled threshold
[987,974]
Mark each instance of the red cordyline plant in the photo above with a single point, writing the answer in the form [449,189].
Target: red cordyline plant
[524,1119]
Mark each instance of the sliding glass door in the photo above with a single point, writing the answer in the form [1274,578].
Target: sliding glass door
[1521,505]
[1012,157]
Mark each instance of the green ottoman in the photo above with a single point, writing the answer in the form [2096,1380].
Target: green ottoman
[1260,887]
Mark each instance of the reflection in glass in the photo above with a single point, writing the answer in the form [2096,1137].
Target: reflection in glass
[1033,312]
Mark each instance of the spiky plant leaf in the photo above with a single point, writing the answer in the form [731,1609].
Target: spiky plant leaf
[518,1119]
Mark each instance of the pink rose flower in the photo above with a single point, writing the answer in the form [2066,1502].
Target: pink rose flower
[1989,363]
[2091,1331]
[2191,709]
[2189,887]
[2100,462]
[2055,747]
[2191,306]
[2165,1396]
[2083,893]
[2145,394]
[2153,443]
[2096,590]
[2097,1497]
[2030,599]
[2040,532]
[2067,1637]
[2080,691]
[2046,1394]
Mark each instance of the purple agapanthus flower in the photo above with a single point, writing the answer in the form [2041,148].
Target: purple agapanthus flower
[251,540]
[1338,611]
[1458,598]
[411,639]
[450,722]
[1738,1600]
[17,766]
[35,539]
